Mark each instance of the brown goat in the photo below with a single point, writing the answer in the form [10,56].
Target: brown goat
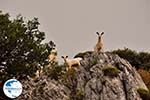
[99,46]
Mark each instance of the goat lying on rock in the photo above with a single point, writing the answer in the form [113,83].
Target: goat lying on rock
[72,62]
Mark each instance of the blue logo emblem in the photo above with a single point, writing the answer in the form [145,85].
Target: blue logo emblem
[12,88]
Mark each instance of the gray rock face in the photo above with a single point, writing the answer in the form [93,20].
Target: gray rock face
[89,82]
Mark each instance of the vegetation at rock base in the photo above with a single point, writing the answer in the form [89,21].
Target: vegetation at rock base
[54,71]
[110,71]
[145,94]
[68,76]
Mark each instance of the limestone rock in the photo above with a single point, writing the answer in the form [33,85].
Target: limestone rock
[89,82]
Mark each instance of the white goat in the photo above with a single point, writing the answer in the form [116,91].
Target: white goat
[72,62]
[99,46]
[53,56]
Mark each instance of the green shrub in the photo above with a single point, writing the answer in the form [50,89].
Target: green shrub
[23,47]
[145,94]
[111,71]
[137,59]
[54,71]
[71,73]
[82,54]
[146,66]
[69,78]
[128,54]
[94,62]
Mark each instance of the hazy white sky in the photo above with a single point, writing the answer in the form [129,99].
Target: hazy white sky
[72,24]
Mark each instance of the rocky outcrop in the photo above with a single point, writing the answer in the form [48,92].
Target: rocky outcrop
[43,88]
[102,76]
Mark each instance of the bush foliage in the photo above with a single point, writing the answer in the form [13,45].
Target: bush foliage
[82,54]
[111,71]
[22,50]
[54,71]
[137,59]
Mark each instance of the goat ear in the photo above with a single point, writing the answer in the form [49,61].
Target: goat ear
[97,33]
[102,33]
[62,56]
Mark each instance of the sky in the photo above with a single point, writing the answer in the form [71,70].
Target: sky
[72,24]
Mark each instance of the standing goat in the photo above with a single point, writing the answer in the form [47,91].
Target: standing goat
[99,46]
[53,56]
[72,62]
